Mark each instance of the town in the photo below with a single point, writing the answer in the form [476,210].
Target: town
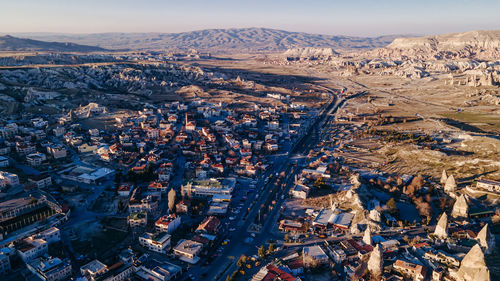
[128,153]
[219,191]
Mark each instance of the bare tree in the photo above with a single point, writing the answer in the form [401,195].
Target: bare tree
[424,208]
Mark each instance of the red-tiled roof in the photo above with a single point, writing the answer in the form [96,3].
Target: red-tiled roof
[275,273]
[298,263]
[209,225]
[421,245]
[166,220]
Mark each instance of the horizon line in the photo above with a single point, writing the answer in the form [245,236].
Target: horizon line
[223,28]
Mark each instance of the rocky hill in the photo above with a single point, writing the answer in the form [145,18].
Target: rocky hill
[309,53]
[234,39]
[483,45]
[13,44]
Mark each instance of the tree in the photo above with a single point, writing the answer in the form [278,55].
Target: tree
[399,181]
[415,185]
[241,260]
[409,190]
[424,208]
[310,262]
[262,252]
[271,248]
[320,183]
[391,205]
[171,200]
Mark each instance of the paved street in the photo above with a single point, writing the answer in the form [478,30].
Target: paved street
[225,264]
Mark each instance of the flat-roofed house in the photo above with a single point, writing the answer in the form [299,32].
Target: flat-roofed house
[416,271]
[40,180]
[93,269]
[137,219]
[50,269]
[29,248]
[314,255]
[168,223]
[157,242]
[490,185]
[188,250]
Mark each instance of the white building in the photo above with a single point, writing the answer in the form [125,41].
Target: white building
[51,269]
[30,248]
[148,205]
[300,191]
[314,253]
[168,223]
[35,159]
[158,242]
[93,269]
[188,250]
[163,272]
[210,187]
[9,178]
[490,185]
[50,235]
[57,151]
[137,219]
[41,180]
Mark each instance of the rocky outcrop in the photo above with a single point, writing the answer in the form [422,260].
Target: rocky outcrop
[486,239]
[441,230]
[460,208]
[354,179]
[472,44]
[375,262]
[473,266]
[450,185]
[308,53]
[132,78]
[444,177]
[411,72]
[367,236]
[375,215]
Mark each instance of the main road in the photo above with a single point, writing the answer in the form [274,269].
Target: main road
[225,264]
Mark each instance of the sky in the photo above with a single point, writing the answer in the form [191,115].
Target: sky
[348,17]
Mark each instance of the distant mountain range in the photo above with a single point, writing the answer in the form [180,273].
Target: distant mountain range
[13,44]
[471,44]
[227,40]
